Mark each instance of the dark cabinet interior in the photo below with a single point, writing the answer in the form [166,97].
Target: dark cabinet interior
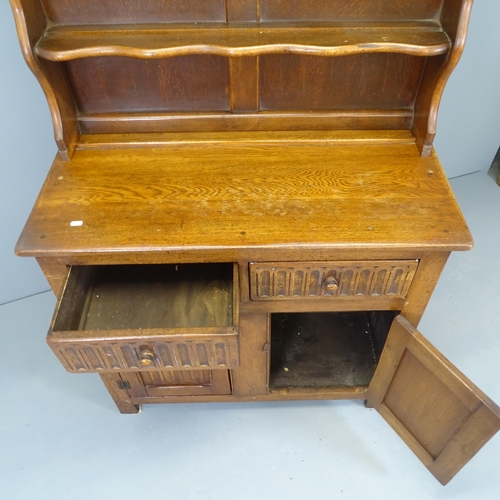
[326,349]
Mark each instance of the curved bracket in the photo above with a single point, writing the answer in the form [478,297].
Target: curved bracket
[455,21]
[30,24]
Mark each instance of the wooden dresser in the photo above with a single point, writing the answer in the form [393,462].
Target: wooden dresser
[246,205]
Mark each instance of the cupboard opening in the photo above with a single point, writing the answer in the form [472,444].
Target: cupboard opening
[333,349]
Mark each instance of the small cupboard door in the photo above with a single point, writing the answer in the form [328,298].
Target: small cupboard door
[440,414]
[165,384]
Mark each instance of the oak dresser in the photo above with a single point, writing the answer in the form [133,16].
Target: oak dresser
[246,204]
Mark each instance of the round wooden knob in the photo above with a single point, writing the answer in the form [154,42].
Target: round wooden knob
[331,284]
[146,356]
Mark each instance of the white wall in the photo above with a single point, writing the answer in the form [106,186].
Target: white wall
[27,149]
[468,132]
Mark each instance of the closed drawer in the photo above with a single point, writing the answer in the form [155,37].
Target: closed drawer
[147,317]
[316,280]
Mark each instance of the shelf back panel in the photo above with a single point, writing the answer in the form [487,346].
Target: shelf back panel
[191,86]
[133,11]
[117,85]
[342,10]
[364,81]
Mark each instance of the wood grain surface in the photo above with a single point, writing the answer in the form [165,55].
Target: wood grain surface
[380,81]
[172,122]
[196,83]
[146,11]
[372,10]
[251,198]
[220,139]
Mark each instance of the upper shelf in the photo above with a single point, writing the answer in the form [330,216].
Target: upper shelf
[149,41]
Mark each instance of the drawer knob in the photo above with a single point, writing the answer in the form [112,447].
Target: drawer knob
[330,285]
[146,355]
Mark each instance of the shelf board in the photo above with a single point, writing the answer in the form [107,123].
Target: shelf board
[151,41]
[238,139]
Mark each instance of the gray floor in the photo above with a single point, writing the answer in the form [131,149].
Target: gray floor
[62,437]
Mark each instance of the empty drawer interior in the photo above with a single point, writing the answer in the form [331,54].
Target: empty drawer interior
[146,297]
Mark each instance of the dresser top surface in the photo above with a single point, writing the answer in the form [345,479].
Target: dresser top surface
[250,196]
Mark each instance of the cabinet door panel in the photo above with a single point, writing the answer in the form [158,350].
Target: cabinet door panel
[440,414]
[161,384]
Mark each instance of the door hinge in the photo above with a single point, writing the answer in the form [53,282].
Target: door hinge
[123,384]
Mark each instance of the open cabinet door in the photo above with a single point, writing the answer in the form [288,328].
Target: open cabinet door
[442,416]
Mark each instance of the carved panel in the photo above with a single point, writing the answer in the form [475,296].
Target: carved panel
[313,280]
[142,354]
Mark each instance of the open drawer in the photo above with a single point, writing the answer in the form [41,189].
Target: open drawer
[147,317]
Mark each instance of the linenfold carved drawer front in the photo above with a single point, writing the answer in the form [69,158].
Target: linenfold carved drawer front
[147,317]
[311,280]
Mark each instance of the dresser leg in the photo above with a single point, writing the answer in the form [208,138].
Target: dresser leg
[118,390]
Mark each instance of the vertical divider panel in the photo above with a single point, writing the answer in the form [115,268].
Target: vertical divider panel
[244,84]
[251,377]
[243,71]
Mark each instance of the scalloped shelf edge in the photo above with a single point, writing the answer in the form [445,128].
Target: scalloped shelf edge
[208,49]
